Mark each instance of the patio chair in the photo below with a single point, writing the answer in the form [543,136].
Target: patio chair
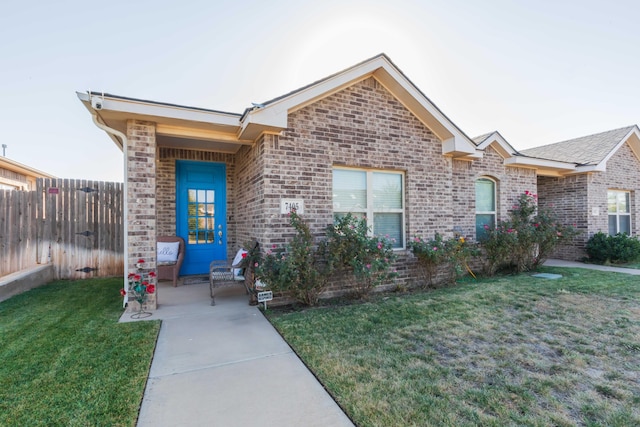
[224,274]
[170,256]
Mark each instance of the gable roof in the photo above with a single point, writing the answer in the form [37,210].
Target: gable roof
[273,114]
[590,152]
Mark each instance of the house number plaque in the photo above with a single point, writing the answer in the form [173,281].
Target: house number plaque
[288,205]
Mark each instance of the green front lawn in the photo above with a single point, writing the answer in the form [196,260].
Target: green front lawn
[512,350]
[65,359]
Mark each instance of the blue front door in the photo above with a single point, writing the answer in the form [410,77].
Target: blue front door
[201,211]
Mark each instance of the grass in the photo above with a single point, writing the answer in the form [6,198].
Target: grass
[505,351]
[65,359]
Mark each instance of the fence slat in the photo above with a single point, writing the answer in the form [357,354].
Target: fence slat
[48,225]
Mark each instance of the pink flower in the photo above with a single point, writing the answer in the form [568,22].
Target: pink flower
[527,192]
[435,248]
[417,239]
[368,266]
[510,230]
[379,245]
[536,224]
[486,227]
[255,265]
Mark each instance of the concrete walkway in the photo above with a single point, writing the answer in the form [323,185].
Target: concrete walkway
[573,264]
[227,366]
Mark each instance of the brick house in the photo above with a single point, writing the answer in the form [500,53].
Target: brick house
[600,193]
[364,140]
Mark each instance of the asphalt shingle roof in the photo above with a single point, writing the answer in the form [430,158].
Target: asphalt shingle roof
[587,150]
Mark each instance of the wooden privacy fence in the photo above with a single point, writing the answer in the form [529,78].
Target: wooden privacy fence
[74,224]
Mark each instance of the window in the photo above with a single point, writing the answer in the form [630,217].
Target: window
[619,212]
[485,206]
[375,196]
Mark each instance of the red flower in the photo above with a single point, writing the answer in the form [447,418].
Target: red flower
[151,289]
[140,261]
[152,274]
[136,277]
[131,275]
[123,292]
[244,255]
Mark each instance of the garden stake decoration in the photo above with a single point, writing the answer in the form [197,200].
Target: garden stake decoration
[140,285]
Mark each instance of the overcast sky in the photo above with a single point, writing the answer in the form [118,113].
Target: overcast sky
[537,71]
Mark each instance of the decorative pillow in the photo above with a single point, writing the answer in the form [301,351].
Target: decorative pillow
[168,251]
[237,261]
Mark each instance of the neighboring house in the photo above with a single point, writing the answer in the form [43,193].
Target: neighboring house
[16,176]
[364,140]
[601,193]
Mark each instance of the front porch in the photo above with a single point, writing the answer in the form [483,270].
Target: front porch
[193,300]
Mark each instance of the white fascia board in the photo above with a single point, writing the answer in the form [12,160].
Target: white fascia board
[275,115]
[150,109]
[633,138]
[396,83]
[539,163]
[505,148]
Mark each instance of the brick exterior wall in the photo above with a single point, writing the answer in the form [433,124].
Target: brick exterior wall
[567,198]
[364,126]
[576,199]
[511,182]
[141,200]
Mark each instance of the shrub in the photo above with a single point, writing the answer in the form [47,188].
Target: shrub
[618,249]
[598,248]
[365,261]
[303,268]
[526,239]
[434,253]
[299,268]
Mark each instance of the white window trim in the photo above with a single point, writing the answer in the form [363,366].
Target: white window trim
[369,211]
[494,212]
[619,214]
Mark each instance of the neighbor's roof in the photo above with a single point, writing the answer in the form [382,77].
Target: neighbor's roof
[587,150]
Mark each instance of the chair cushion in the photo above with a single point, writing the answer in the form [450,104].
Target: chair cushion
[166,263]
[168,251]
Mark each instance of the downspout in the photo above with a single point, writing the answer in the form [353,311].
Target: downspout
[125,216]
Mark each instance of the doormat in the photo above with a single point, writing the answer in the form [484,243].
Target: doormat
[195,280]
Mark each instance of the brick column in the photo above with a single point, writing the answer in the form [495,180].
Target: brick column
[141,201]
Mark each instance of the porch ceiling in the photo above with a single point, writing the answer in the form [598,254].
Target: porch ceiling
[197,144]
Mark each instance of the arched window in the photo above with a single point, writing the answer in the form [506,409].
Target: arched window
[485,206]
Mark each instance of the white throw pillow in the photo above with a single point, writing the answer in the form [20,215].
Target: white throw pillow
[237,272]
[168,251]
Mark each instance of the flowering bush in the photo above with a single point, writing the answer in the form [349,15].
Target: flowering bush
[299,268]
[434,253]
[140,284]
[526,239]
[364,260]
[304,267]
